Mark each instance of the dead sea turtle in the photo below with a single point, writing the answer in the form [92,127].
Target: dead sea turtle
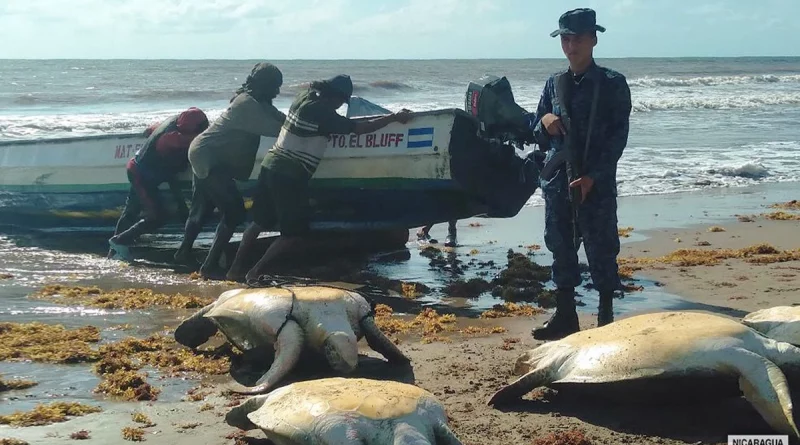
[346,411]
[328,321]
[670,350]
[780,323]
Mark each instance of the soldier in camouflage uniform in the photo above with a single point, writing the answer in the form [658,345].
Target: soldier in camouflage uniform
[579,177]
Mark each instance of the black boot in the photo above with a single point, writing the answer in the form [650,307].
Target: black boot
[605,310]
[563,322]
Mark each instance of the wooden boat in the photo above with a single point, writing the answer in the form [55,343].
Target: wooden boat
[440,166]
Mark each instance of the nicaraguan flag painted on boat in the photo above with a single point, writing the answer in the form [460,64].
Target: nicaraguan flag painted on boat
[420,137]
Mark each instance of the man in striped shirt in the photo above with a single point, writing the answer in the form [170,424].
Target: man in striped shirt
[281,196]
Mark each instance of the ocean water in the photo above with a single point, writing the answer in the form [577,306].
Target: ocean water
[696,123]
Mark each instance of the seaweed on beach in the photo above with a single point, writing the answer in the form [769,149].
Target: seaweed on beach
[781,216]
[624,232]
[521,281]
[756,254]
[127,385]
[791,205]
[119,298]
[6,276]
[12,441]
[143,419]
[511,310]
[47,413]
[429,324]
[11,385]
[122,359]
[165,354]
[133,434]
[45,343]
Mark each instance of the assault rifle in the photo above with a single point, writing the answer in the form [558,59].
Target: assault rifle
[575,159]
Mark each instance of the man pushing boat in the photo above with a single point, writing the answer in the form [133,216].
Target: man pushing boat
[162,157]
[226,152]
[281,196]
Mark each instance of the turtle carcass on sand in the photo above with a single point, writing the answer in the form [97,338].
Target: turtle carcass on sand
[780,323]
[328,321]
[669,350]
[346,411]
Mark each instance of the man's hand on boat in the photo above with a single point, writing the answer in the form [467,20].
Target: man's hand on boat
[403,116]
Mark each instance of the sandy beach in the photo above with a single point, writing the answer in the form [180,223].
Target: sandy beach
[463,367]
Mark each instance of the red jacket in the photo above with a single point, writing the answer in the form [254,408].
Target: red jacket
[166,151]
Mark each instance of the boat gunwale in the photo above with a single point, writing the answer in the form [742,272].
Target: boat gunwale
[93,137]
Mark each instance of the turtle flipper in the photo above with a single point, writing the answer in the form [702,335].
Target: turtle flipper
[523,385]
[444,435]
[237,416]
[380,343]
[196,330]
[288,347]
[764,385]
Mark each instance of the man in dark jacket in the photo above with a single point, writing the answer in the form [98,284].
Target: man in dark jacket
[582,124]
[163,156]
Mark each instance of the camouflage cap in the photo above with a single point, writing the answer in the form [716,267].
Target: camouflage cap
[577,21]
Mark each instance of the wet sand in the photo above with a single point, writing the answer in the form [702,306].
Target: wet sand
[466,370]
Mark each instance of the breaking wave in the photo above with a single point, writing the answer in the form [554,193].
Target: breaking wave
[711,80]
[715,103]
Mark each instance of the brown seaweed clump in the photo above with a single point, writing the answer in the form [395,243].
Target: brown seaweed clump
[757,254]
[143,419]
[624,232]
[119,298]
[715,229]
[568,437]
[429,324]
[133,434]
[165,354]
[791,205]
[40,342]
[12,441]
[511,310]
[127,385]
[5,276]
[11,385]
[521,280]
[45,414]
[782,216]
[121,360]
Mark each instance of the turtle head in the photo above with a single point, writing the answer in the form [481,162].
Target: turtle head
[196,330]
[341,351]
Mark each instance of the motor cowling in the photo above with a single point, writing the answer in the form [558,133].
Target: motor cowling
[491,100]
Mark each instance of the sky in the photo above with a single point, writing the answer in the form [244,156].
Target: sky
[383,29]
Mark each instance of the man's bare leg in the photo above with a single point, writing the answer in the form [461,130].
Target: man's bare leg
[279,247]
[249,237]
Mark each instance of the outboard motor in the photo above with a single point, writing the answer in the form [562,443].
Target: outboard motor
[484,159]
[491,101]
